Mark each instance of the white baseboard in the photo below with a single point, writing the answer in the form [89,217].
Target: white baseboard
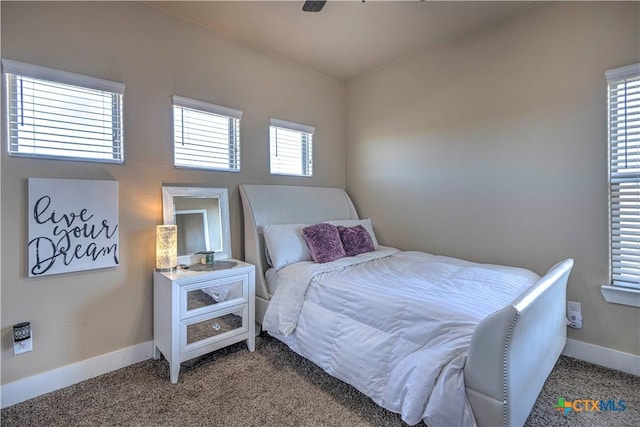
[618,360]
[46,382]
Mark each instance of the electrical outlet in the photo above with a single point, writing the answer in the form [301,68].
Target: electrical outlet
[22,338]
[574,314]
[23,346]
[573,306]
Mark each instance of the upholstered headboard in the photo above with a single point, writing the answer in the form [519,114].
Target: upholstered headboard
[281,204]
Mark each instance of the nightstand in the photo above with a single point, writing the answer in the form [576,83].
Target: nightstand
[196,312]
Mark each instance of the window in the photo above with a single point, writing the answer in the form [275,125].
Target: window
[206,136]
[291,148]
[61,115]
[624,174]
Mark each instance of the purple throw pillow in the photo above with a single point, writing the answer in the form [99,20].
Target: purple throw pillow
[355,240]
[324,242]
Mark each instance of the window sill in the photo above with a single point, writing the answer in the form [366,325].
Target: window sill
[619,295]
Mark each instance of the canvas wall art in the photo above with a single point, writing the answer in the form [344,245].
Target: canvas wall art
[73,225]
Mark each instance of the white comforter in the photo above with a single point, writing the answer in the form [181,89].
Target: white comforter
[395,325]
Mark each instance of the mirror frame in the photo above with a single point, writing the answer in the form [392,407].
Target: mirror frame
[168,193]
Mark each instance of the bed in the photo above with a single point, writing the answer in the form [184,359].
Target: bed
[428,353]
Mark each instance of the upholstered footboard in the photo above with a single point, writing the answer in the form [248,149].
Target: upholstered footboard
[514,349]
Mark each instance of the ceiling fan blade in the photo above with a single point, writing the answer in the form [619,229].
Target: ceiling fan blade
[313,6]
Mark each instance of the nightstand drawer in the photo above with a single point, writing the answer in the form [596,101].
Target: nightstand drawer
[204,330]
[201,297]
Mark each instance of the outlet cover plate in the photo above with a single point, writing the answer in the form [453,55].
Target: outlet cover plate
[23,346]
[574,306]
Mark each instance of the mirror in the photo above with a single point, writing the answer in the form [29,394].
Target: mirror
[202,217]
[194,230]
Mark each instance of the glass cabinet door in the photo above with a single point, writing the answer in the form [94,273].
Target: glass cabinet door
[206,295]
[226,324]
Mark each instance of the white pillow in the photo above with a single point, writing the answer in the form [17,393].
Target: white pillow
[366,223]
[285,244]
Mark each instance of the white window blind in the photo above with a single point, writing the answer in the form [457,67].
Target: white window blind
[291,148]
[61,115]
[624,174]
[206,136]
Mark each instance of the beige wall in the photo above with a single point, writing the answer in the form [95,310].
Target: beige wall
[80,315]
[489,147]
[492,147]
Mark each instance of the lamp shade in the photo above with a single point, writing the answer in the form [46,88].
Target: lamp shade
[166,247]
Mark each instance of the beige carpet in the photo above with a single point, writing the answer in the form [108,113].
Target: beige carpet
[276,387]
